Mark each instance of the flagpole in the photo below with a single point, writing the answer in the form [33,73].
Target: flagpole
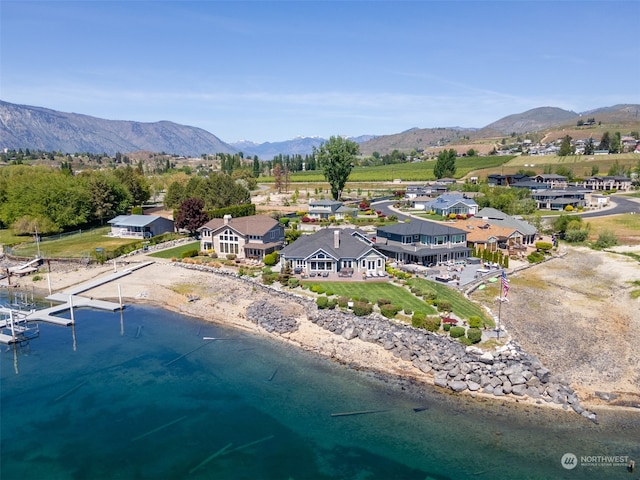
[500,306]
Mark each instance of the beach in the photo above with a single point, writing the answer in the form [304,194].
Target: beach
[224,299]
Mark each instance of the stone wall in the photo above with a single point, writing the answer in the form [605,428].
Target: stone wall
[508,370]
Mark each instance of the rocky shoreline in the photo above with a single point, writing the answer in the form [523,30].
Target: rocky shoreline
[508,371]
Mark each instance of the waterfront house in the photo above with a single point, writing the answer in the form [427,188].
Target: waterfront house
[345,251]
[496,217]
[422,242]
[250,237]
[139,226]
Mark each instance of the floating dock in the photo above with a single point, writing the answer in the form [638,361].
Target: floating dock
[68,299]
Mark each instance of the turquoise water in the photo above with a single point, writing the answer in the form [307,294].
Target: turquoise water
[142,395]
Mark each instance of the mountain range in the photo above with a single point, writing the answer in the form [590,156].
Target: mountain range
[38,128]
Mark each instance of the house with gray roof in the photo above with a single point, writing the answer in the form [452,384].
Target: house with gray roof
[345,251]
[250,237]
[558,199]
[422,242]
[449,203]
[139,226]
[496,217]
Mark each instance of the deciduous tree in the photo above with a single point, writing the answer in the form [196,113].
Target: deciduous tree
[445,164]
[191,215]
[336,157]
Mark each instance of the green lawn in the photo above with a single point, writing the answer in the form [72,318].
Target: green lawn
[75,245]
[461,306]
[373,291]
[176,251]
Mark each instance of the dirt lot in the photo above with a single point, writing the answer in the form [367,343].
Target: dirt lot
[576,313]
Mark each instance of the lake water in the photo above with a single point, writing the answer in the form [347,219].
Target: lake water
[141,395]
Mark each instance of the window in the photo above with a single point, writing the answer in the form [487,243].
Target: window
[229,242]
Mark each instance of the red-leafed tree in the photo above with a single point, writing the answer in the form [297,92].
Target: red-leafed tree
[191,215]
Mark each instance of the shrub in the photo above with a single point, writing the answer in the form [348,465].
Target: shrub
[407,311]
[271,259]
[293,283]
[456,332]
[432,324]
[322,302]
[361,309]
[389,310]
[418,319]
[443,305]
[383,301]
[269,277]
[475,321]
[535,257]
[361,299]
[446,327]
[474,334]
[190,253]
[464,341]
[343,302]
[232,256]
[575,236]
[606,239]
[329,293]
[332,304]
[544,246]
[316,288]
[429,296]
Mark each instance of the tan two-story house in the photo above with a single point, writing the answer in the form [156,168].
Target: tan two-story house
[250,237]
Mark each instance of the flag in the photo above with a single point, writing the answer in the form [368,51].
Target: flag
[505,284]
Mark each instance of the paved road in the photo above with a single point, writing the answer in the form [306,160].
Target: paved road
[622,205]
[618,205]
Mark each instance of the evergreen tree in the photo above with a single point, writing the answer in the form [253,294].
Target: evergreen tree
[565,147]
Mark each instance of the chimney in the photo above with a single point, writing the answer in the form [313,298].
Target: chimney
[226,219]
[336,239]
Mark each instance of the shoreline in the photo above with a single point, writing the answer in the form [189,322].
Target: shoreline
[224,300]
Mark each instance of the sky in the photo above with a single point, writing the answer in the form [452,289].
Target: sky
[274,70]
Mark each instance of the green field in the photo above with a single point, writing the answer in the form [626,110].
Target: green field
[74,245]
[373,291]
[461,306]
[407,172]
[176,252]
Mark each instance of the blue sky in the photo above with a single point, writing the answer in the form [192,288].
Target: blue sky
[273,70]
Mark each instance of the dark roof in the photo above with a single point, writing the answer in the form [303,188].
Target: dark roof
[350,245]
[420,227]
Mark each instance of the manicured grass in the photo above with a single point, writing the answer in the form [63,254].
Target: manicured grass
[76,245]
[7,237]
[461,306]
[176,251]
[373,291]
